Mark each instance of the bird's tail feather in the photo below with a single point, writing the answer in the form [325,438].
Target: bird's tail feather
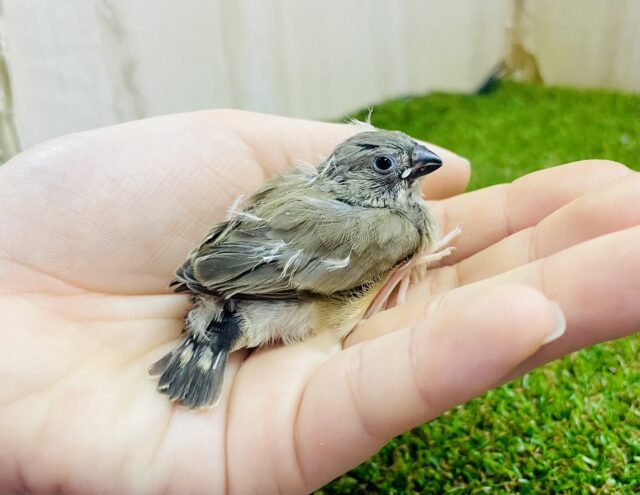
[192,374]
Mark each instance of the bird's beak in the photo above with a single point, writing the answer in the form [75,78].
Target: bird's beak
[423,162]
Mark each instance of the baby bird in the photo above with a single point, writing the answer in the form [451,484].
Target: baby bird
[308,252]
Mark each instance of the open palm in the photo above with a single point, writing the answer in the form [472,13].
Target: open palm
[93,225]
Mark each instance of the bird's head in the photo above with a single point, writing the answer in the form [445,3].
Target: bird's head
[378,168]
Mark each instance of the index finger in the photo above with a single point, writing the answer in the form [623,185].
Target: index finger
[490,214]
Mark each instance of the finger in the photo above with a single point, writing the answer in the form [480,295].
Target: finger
[490,214]
[376,390]
[597,284]
[116,210]
[614,206]
[278,142]
[451,179]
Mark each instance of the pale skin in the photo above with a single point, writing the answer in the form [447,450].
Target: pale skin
[93,226]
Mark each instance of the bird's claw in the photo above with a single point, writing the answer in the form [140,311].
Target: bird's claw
[401,276]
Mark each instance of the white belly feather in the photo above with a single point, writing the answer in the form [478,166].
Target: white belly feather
[265,322]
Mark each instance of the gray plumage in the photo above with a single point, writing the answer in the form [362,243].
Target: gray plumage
[305,253]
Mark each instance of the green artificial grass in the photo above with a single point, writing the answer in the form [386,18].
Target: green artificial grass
[572,426]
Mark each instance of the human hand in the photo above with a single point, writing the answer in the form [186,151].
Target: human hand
[93,226]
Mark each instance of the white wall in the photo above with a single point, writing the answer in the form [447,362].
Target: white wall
[80,64]
[585,42]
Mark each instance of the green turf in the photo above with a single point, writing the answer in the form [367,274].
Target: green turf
[572,426]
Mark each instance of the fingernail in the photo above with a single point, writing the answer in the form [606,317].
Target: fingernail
[560,325]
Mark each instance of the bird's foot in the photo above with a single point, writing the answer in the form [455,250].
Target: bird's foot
[382,297]
[446,239]
[401,277]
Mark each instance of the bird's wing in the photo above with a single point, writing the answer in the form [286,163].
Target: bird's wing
[306,245]
[184,279]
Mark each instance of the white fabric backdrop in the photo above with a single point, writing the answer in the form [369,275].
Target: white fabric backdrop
[80,64]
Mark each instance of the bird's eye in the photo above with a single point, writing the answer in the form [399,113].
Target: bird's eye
[384,164]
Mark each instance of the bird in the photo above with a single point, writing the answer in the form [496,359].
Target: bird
[316,248]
